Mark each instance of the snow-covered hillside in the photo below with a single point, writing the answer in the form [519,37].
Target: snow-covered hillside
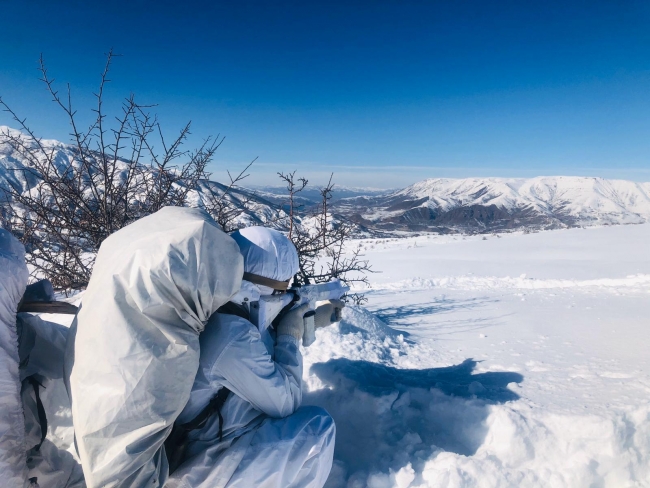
[17,172]
[12,165]
[519,361]
[487,204]
[607,201]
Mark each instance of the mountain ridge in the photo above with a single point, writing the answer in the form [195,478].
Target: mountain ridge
[441,205]
[484,204]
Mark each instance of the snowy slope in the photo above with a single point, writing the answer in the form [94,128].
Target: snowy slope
[15,171]
[518,361]
[498,203]
[13,166]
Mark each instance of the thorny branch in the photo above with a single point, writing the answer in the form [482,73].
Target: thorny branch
[223,204]
[62,202]
[322,241]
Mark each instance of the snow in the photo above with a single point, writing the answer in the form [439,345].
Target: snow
[519,360]
[516,361]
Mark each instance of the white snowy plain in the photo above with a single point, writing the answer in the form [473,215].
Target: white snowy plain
[512,361]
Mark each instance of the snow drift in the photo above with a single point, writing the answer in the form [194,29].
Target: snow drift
[530,371]
[399,425]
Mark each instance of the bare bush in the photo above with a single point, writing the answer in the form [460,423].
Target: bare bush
[323,242]
[223,204]
[63,201]
[117,171]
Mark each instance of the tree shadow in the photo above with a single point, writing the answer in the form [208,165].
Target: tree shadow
[405,317]
[388,417]
[396,315]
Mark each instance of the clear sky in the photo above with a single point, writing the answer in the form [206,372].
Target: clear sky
[382,93]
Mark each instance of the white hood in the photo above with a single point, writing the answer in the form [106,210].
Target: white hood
[267,253]
[131,366]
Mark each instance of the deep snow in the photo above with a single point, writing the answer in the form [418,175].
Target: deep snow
[519,360]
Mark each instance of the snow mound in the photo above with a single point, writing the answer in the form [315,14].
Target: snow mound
[362,319]
[359,335]
[403,425]
[521,448]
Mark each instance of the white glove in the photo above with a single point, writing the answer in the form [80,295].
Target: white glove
[293,322]
[328,313]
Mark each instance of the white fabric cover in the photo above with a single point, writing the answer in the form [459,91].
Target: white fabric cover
[269,441]
[42,348]
[131,365]
[267,253]
[13,280]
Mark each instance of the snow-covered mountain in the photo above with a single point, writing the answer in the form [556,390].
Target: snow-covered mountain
[437,205]
[486,204]
[13,166]
[15,171]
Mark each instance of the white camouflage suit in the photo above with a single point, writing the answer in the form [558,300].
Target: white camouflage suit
[147,349]
[269,440]
[31,360]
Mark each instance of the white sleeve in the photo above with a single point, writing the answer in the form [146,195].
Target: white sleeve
[243,364]
[13,279]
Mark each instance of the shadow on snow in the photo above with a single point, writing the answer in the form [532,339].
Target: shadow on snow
[388,417]
[396,315]
[438,317]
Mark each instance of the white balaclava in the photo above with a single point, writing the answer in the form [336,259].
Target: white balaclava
[268,254]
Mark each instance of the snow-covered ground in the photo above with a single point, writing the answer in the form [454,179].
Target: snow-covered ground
[519,360]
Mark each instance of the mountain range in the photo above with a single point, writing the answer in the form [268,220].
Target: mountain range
[441,205]
[500,204]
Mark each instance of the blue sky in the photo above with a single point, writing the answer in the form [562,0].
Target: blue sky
[382,93]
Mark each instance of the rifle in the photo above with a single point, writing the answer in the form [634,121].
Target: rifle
[267,308]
